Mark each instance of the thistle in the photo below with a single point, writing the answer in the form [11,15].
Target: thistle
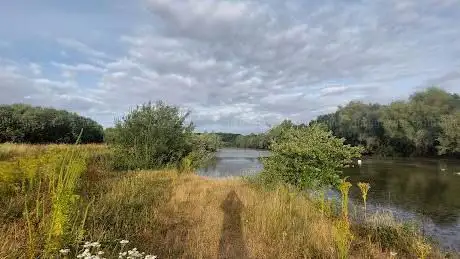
[364,187]
[344,188]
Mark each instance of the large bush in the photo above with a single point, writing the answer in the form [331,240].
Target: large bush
[307,157]
[152,136]
[22,123]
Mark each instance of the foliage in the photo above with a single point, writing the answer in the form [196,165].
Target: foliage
[204,147]
[109,135]
[22,123]
[256,141]
[158,135]
[228,139]
[307,157]
[449,139]
[417,127]
[210,142]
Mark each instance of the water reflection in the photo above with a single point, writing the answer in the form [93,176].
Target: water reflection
[234,162]
[411,185]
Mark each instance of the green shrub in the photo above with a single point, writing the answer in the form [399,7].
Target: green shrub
[307,157]
[154,136]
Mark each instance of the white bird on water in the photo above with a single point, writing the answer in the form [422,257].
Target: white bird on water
[359,162]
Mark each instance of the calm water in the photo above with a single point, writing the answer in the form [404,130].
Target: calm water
[424,190]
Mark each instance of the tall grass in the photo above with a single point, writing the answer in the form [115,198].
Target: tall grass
[57,197]
[39,192]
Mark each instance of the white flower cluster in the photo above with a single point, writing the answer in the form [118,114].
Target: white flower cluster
[91,250]
[87,253]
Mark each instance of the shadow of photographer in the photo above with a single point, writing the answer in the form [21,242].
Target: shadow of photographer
[231,243]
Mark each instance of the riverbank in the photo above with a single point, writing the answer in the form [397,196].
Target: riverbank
[175,215]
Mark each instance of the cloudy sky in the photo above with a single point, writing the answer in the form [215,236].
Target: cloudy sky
[238,65]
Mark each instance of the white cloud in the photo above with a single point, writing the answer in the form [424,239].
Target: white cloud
[35,68]
[79,67]
[248,63]
[81,47]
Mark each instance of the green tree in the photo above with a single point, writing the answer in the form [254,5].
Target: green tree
[449,139]
[152,136]
[109,135]
[22,123]
[308,157]
[209,142]
[402,128]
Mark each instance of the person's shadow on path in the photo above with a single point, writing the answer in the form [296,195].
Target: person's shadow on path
[231,243]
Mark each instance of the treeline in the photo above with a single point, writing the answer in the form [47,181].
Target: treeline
[21,123]
[257,141]
[425,125]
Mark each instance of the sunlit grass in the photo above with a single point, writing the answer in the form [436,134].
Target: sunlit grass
[38,186]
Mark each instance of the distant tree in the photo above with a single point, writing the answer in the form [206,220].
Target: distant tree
[449,139]
[228,139]
[402,128]
[22,123]
[209,142]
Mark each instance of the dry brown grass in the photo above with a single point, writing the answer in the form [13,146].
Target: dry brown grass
[188,221]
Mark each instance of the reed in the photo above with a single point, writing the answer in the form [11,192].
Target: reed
[344,188]
[364,187]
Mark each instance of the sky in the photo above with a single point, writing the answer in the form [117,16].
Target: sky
[237,65]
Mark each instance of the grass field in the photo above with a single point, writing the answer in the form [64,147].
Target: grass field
[58,197]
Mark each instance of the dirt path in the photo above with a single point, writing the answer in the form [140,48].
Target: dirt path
[215,210]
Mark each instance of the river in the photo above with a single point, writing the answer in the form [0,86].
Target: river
[426,190]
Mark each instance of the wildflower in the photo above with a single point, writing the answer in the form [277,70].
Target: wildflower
[87,244]
[133,253]
[123,242]
[100,252]
[393,254]
[95,244]
[64,251]
[150,257]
